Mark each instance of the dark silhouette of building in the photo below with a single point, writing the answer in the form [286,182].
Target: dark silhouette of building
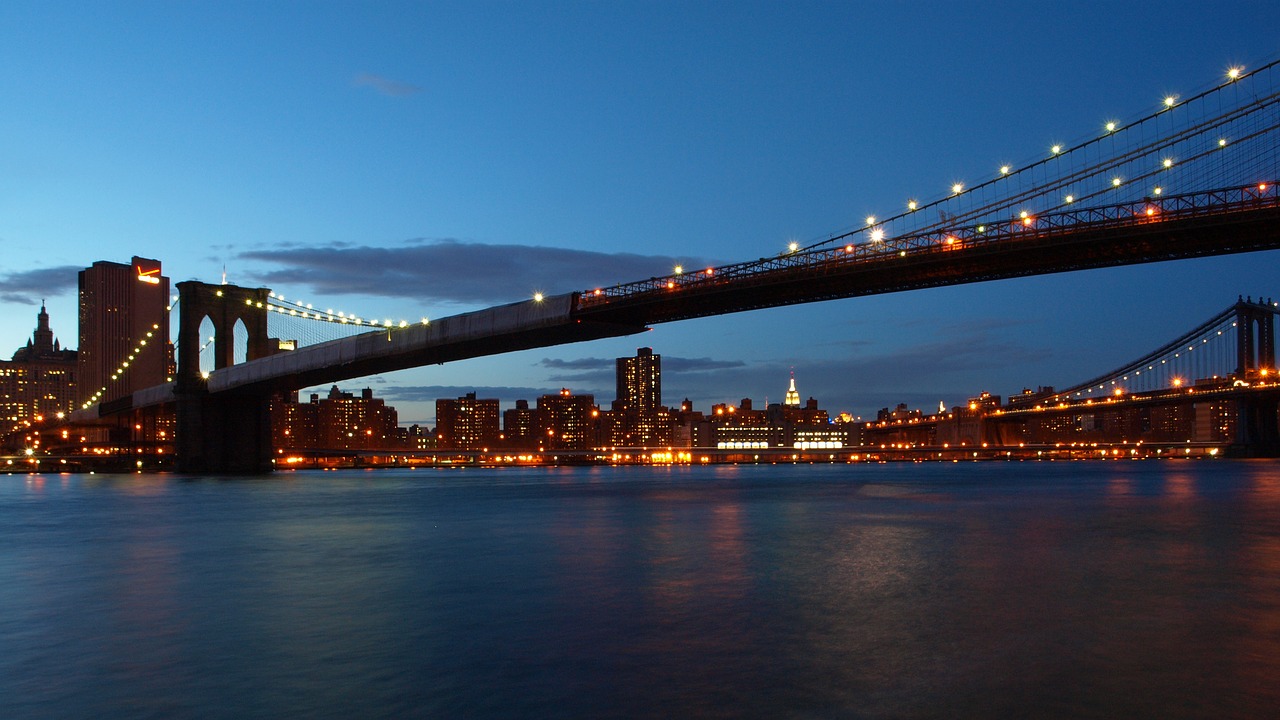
[123,312]
[40,380]
[467,423]
[520,427]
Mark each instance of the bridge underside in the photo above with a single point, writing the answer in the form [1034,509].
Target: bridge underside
[1095,248]
[509,328]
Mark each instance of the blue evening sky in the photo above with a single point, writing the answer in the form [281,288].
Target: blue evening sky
[411,159]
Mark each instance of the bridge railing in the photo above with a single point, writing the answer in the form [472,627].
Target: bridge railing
[1004,230]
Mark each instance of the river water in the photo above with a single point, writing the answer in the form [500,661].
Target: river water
[972,590]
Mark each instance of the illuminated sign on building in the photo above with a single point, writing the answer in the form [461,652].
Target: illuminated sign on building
[147,271]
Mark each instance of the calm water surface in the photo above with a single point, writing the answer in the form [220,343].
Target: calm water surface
[1087,589]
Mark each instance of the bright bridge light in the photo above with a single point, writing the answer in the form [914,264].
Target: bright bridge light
[1234,73]
[957,188]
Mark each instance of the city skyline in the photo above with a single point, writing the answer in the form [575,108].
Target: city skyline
[462,157]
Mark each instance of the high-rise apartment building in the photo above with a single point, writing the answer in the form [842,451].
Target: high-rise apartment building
[567,421]
[467,423]
[119,306]
[639,381]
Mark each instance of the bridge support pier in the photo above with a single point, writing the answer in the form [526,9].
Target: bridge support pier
[1258,427]
[224,433]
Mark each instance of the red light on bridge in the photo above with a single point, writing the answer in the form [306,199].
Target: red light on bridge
[1026,221]
[710,272]
[848,248]
[1262,187]
[670,284]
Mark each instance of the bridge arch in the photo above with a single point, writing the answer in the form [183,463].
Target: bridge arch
[228,307]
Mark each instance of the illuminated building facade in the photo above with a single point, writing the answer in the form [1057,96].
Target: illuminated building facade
[119,305]
[340,421]
[639,381]
[566,421]
[467,423]
[637,417]
[40,380]
[792,398]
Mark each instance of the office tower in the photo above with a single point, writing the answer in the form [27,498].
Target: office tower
[119,306]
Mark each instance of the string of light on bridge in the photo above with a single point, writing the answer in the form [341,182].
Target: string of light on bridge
[306,311]
[875,226]
[124,365]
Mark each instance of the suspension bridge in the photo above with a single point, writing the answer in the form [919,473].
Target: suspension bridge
[1193,177]
[1215,386]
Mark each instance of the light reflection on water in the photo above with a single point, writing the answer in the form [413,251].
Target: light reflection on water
[1108,589]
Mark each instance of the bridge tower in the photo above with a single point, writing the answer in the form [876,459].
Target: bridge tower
[1257,427]
[221,432]
[1255,337]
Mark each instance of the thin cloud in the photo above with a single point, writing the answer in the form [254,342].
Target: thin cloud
[431,393]
[454,271]
[578,364]
[386,86]
[28,287]
[698,365]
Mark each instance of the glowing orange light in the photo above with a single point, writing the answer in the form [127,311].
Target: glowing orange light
[670,284]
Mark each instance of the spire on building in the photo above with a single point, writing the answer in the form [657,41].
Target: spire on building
[793,397]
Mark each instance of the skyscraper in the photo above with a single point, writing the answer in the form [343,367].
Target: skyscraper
[639,381]
[119,305]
